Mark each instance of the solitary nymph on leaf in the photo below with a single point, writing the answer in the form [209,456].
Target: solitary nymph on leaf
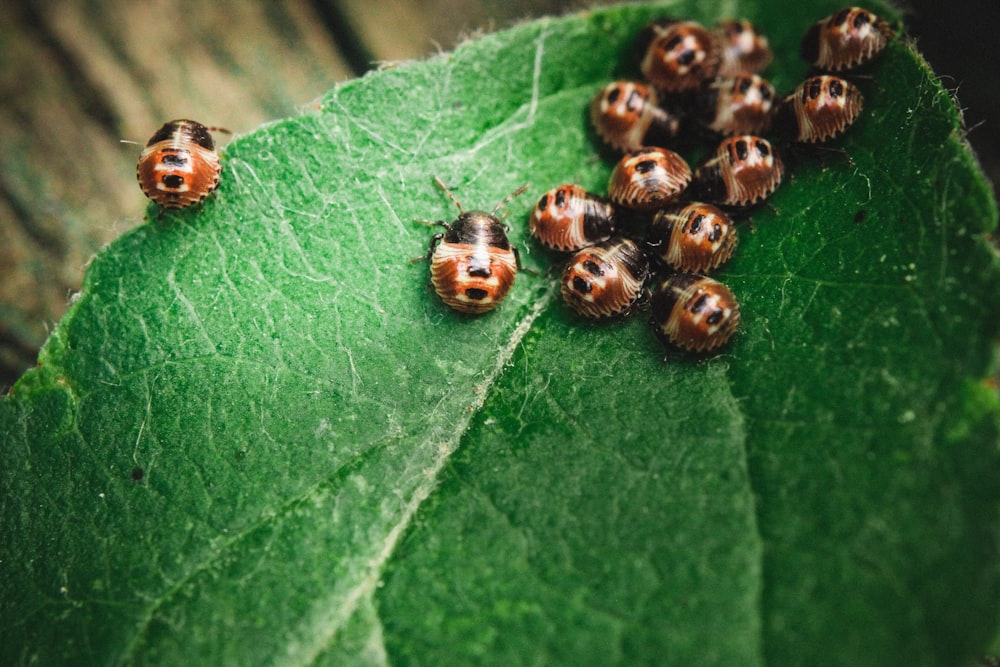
[473,264]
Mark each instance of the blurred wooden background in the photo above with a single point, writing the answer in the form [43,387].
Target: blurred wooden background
[79,76]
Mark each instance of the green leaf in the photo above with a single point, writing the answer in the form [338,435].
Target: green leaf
[258,437]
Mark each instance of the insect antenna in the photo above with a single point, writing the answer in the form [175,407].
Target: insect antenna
[448,192]
[506,200]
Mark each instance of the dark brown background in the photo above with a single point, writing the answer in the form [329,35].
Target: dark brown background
[78,76]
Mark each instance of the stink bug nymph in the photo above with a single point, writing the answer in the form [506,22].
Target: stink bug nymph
[627,115]
[844,40]
[568,218]
[473,264]
[695,237]
[738,105]
[741,48]
[648,178]
[679,55]
[743,171]
[179,166]
[693,312]
[820,108]
[605,280]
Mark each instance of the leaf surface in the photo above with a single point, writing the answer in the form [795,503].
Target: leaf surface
[258,437]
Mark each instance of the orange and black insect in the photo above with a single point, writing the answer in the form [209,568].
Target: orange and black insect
[568,218]
[742,48]
[820,108]
[605,280]
[179,166]
[739,105]
[473,264]
[679,55]
[627,116]
[695,237]
[743,171]
[844,40]
[648,178]
[693,312]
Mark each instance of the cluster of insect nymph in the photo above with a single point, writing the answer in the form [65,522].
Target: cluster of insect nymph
[663,225]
